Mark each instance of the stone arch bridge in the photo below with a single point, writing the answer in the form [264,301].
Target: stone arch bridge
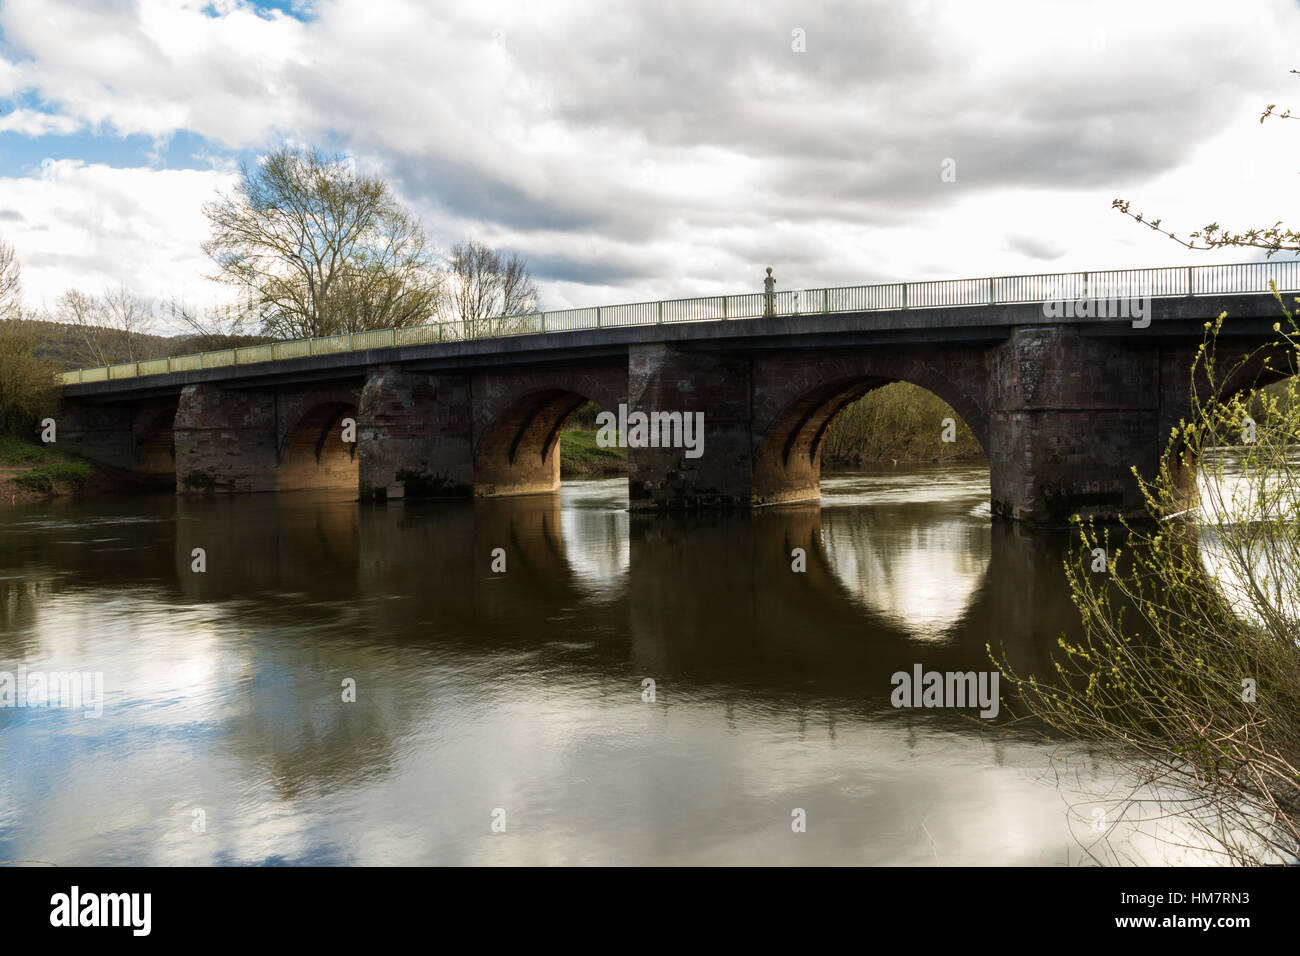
[1063,405]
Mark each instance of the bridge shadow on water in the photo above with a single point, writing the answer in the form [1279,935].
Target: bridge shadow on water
[708,599]
[532,672]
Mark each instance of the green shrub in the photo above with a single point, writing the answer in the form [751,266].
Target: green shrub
[17,451]
[42,479]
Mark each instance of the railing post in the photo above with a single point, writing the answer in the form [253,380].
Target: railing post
[724,308]
[597,316]
[543,321]
[990,290]
[169,364]
[660,320]
[1189,281]
[352,344]
[826,300]
[905,295]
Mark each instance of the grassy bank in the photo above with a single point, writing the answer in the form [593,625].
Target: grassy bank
[30,471]
[581,457]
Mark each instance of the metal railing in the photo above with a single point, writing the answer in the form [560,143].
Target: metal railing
[1246,277]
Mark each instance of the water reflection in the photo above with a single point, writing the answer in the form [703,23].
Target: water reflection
[905,552]
[523,690]
[1245,533]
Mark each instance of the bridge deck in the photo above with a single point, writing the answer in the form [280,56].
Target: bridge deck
[1182,297]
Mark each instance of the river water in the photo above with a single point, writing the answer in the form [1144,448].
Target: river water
[504,717]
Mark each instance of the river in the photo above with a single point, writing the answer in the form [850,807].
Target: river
[506,716]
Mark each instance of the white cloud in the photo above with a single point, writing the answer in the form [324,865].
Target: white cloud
[27,122]
[93,226]
[674,149]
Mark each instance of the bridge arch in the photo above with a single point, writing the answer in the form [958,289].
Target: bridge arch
[517,425]
[313,452]
[154,445]
[797,403]
[1257,369]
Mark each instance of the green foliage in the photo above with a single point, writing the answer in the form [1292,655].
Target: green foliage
[44,478]
[584,419]
[1188,670]
[28,384]
[900,421]
[580,456]
[16,451]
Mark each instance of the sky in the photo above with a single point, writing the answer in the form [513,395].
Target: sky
[658,149]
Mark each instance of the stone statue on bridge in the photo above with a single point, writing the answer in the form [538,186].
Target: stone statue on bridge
[769,294]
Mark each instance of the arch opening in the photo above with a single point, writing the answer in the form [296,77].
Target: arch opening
[154,453]
[1265,391]
[540,439]
[1239,501]
[854,423]
[317,453]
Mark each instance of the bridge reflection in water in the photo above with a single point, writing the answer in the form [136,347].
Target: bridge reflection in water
[523,690]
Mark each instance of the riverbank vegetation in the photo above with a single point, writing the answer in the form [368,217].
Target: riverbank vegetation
[1188,668]
[30,471]
[308,247]
[581,457]
[897,423]
[29,393]
[28,381]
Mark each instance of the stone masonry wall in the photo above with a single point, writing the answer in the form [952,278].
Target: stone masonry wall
[413,434]
[225,440]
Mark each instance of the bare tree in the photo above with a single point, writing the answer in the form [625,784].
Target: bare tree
[28,386]
[483,285]
[114,327]
[221,326]
[323,249]
[11,285]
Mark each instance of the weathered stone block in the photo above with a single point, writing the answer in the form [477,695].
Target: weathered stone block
[663,379]
[225,440]
[413,431]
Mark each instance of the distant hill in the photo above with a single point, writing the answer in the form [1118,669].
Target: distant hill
[67,346]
